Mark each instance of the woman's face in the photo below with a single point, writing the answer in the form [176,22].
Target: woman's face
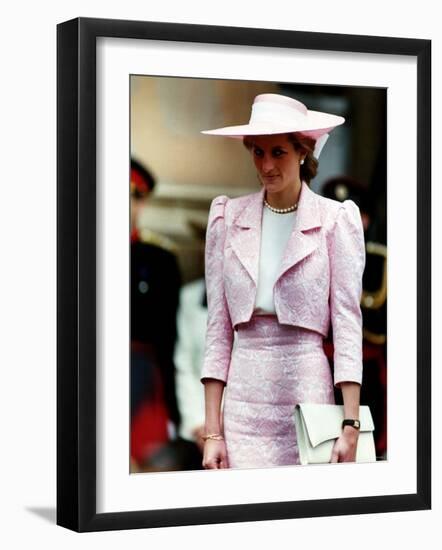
[276,161]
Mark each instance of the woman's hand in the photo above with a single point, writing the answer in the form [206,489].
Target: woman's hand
[344,449]
[215,455]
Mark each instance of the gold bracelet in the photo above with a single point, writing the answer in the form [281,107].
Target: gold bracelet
[216,437]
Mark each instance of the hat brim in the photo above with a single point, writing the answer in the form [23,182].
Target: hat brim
[315,125]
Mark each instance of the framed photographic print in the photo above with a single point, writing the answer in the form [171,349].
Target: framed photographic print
[136,180]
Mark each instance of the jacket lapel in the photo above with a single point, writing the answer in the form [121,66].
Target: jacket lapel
[246,240]
[302,241]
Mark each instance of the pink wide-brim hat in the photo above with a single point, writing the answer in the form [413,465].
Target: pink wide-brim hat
[279,114]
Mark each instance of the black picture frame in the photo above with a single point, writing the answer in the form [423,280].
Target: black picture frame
[76,273]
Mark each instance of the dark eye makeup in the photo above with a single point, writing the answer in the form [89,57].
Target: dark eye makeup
[276,151]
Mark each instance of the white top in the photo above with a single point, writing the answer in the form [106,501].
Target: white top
[276,230]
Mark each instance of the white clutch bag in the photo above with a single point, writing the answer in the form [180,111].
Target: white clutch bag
[319,425]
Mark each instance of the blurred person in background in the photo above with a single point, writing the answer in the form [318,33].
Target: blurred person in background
[155,284]
[373,305]
[189,352]
[281,264]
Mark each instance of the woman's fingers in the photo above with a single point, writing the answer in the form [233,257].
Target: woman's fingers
[223,463]
[211,464]
[335,454]
[215,455]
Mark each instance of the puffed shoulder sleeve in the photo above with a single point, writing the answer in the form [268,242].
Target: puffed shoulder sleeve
[347,263]
[219,335]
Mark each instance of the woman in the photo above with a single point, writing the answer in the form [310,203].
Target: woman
[281,264]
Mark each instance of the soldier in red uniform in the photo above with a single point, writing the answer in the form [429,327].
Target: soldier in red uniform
[155,284]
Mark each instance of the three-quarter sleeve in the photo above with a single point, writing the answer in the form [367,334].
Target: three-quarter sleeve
[219,335]
[347,262]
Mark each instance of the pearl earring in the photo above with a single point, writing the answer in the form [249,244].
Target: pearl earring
[302,161]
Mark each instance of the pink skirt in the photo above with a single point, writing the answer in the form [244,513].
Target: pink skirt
[273,367]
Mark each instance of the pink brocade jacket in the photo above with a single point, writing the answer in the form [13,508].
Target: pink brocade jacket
[319,281]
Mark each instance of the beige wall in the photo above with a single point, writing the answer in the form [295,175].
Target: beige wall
[167,115]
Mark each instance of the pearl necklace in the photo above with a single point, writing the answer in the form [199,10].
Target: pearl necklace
[281,210]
